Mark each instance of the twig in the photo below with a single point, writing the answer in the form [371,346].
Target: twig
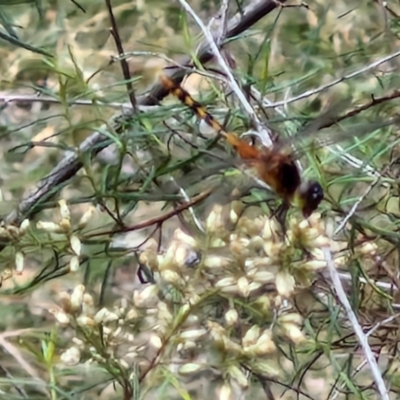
[33,98]
[185,197]
[235,87]
[382,285]
[338,391]
[78,5]
[157,220]
[223,14]
[15,352]
[251,14]
[124,64]
[361,365]
[374,101]
[129,54]
[355,205]
[382,323]
[333,83]
[362,338]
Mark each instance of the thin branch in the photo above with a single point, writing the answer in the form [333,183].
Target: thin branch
[337,391]
[33,98]
[383,285]
[362,338]
[237,25]
[332,83]
[124,64]
[382,323]
[235,87]
[374,101]
[157,220]
[356,204]
[186,197]
[223,16]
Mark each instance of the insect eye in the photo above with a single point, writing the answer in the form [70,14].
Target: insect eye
[311,195]
[315,191]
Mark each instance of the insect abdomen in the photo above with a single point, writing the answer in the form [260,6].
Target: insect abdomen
[244,150]
[188,101]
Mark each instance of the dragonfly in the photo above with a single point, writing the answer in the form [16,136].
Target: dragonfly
[277,166]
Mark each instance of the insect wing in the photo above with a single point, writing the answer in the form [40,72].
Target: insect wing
[305,137]
[321,132]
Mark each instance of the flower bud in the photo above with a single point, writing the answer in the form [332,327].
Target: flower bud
[231,317]
[60,316]
[214,220]
[123,364]
[64,299]
[75,244]
[172,277]
[50,227]
[233,216]
[251,336]
[74,264]
[265,344]
[88,307]
[257,262]
[189,369]
[193,334]
[320,241]
[237,374]
[314,265]
[4,233]
[71,356]
[85,321]
[294,333]
[86,217]
[285,283]
[293,318]
[25,225]
[131,315]
[263,303]
[215,261]
[147,297]
[263,276]
[77,298]
[65,224]
[367,249]
[19,262]
[64,210]
[228,281]
[225,393]
[184,238]
[105,316]
[243,286]
[155,341]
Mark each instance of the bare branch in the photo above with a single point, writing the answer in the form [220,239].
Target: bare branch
[333,83]
[362,338]
[124,64]
[214,48]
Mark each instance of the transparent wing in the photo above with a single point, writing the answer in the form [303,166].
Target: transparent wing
[324,131]
[306,134]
